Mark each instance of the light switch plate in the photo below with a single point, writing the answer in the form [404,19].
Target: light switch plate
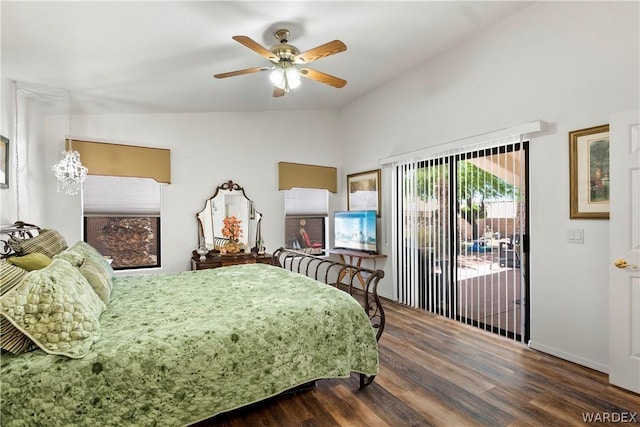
[576,236]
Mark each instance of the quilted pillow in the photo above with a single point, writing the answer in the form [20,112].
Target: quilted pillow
[48,242]
[11,339]
[80,251]
[30,262]
[57,308]
[98,278]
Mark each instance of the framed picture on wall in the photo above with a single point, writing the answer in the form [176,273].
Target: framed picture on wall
[364,191]
[4,162]
[589,172]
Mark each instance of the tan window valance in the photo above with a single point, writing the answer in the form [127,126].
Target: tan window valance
[307,176]
[124,160]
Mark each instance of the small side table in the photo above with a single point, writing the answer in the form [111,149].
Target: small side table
[355,259]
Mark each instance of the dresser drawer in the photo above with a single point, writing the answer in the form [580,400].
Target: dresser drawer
[224,260]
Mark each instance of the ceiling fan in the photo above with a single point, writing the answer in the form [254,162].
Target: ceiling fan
[289,64]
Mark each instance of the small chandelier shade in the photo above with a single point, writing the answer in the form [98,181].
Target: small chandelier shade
[69,172]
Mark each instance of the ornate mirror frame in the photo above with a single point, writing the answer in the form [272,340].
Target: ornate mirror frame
[228,199]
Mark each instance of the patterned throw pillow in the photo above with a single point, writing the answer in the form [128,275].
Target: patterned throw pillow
[57,308]
[11,339]
[48,242]
[10,275]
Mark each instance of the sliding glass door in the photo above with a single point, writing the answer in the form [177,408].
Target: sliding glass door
[461,231]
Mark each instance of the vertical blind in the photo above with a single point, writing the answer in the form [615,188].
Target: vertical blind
[458,221]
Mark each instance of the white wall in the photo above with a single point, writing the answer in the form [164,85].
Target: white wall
[207,150]
[7,196]
[24,199]
[571,64]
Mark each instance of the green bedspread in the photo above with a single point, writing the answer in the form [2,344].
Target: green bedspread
[181,347]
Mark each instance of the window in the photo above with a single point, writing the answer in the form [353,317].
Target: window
[122,220]
[306,211]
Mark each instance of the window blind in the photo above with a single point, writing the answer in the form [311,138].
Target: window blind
[306,202]
[109,195]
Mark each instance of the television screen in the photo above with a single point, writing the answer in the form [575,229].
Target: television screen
[355,230]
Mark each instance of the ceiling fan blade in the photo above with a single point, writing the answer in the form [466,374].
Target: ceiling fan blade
[321,77]
[321,51]
[256,47]
[240,72]
[278,92]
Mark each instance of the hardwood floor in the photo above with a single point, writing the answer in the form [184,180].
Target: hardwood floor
[438,372]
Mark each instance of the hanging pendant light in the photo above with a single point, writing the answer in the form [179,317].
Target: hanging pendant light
[69,171]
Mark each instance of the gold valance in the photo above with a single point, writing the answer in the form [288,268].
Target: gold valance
[124,160]
[307,176]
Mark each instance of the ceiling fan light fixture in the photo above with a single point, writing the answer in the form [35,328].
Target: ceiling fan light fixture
[288,64]
[285,76]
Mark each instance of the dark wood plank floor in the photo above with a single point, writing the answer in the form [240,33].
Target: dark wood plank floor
[438,372]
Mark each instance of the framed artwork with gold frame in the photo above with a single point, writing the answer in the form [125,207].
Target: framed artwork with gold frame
[589,172]
[363,191]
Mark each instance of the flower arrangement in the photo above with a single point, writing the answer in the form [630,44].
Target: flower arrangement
[231,228]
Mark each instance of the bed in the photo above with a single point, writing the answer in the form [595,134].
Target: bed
[177,348]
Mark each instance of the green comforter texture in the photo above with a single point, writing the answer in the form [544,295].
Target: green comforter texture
[177,348]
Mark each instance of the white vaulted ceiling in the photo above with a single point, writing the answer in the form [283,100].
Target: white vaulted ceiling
[160,56]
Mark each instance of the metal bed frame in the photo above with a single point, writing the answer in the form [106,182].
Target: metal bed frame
[344,277]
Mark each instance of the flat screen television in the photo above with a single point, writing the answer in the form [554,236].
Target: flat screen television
[355,230]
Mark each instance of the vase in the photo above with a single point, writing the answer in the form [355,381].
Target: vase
[202,251]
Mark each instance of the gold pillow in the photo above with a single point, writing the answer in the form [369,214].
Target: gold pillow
[30,262]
